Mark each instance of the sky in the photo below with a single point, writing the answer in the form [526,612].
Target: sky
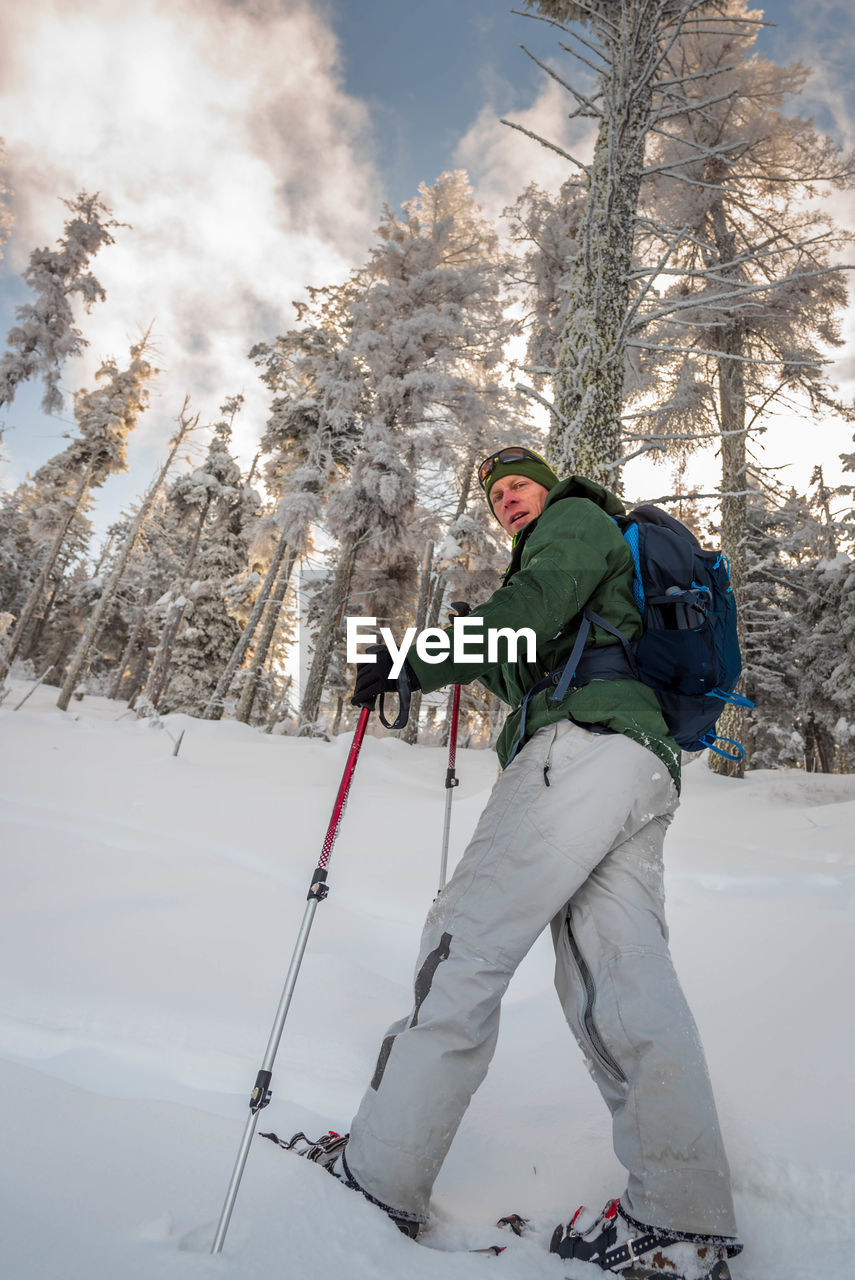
[251,146]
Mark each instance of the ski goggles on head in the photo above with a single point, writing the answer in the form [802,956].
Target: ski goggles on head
[516,453]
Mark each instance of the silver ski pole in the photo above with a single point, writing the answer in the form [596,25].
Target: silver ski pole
[451,781]
[318,890]
[459,609]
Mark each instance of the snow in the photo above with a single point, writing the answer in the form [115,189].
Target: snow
[150,909]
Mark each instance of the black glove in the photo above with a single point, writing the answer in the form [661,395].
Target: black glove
[374,679]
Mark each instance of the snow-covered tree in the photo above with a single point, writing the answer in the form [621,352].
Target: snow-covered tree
[794,642]
[120,563]
[627,47]
[190,500]
[133,626]
[751,297]
[105,417]
[308,443]
[46,333]
[547,230]
[842,680]
[212,580]
[756,298]
[427,330]
[826,697]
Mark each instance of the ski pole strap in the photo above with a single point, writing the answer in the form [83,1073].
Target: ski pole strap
[403,703]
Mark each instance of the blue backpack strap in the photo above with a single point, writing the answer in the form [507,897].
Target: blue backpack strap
[571,666]
[735,699]
[560,677]
[541,684]
[568,670]
[710,739]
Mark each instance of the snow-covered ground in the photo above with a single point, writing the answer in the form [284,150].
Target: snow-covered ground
[149,910]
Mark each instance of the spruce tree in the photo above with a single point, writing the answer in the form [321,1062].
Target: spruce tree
[105,417]
[209,629]
[756,297]
[120,563]
[46,334]
[426,331]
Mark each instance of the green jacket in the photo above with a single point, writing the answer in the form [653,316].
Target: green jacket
[572,555]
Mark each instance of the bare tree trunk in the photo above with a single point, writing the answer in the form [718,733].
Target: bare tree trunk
[271,622]
[121,564]
[38,588]
[214,709]
[325,637]
[410,731]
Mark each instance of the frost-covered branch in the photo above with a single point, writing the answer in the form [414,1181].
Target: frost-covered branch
[716,301]
[706,74]
[670,113]
[728,267]
[650,284]
[547,404]
[726,355]
[716,495]
[590,111]
[551,146]
[708,153]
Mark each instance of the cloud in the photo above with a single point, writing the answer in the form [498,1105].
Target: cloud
[501,161]
[222,133]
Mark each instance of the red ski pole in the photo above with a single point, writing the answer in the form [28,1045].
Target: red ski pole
[318,890]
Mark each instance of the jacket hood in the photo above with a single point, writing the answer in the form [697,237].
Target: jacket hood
[580,487]
[569,487]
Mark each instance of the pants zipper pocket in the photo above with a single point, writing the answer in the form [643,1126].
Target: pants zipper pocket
[600,1051]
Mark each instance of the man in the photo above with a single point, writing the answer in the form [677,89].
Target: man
[571,837]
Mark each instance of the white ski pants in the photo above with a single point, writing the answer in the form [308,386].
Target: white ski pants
[583,854]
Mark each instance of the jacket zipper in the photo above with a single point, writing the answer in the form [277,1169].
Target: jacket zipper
[600,1050]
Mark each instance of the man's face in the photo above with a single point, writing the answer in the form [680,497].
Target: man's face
[517,501]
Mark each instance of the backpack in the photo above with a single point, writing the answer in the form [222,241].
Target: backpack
[689,650]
